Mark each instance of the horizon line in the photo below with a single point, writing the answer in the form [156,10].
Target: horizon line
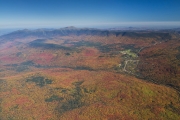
[97,25]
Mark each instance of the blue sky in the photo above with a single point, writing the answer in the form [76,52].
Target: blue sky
[88,13]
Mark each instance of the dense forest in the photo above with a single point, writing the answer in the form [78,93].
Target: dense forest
[81,73]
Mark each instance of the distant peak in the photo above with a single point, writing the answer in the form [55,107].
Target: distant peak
[70,27]
[24,30]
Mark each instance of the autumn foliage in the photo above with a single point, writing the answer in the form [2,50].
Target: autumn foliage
[88,77]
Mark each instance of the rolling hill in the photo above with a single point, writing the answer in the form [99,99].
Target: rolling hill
[85,73]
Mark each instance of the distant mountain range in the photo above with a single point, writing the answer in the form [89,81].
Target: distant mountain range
[44,33]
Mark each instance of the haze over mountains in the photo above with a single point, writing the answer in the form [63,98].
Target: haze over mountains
[134,32]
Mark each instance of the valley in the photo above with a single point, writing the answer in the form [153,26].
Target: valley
[83,74]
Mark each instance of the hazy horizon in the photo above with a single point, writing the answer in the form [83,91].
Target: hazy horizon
[89,13]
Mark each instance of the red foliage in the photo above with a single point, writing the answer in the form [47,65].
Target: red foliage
[89,52]
[6,46]
[15,91]
[21,100]
[41,58]
[10,59]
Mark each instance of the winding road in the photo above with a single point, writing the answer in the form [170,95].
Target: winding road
[126,61]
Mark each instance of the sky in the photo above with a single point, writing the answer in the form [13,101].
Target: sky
[88,13]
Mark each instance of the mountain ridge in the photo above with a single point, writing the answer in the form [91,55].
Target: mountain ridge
[44,33]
